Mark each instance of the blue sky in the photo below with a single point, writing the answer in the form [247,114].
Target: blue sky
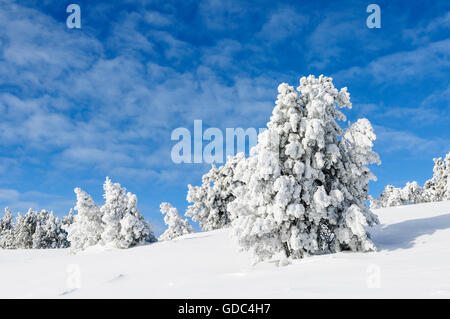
[79,105]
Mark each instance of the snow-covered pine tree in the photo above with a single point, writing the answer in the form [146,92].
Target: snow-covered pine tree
[65,224]
[68,220]
[391,196]
[124,226]
[428,191]
[48,232]
[54,236]
[6,223]
[134,229]
[24,230]
[446,192]
[441,178]
[7,230]
[210,200]
[177,226]
[412,193]
[305,183]
[87,225]
[39,235]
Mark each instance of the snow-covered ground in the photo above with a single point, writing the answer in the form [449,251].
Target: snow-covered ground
[413,261]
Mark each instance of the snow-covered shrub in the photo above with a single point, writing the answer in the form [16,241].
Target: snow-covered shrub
[124,226]
[304,186]
[87,226]
[210,200]
[177,226]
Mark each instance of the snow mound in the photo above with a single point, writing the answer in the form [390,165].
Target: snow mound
[413,260]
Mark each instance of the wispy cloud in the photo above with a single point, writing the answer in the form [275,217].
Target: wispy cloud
[282,24]
[392,140]
[432,59]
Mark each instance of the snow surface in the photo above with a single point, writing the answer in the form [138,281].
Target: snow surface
[413,260]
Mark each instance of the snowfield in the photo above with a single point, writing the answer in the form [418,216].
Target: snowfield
[413,260]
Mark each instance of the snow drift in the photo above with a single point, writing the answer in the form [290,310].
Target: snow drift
[413,260]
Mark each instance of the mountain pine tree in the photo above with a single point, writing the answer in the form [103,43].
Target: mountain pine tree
[304,186]
[87,225]
[210,200]
[177,226]
[7,230]
[124,226]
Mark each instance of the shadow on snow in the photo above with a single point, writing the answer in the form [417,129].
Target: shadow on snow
[402,235]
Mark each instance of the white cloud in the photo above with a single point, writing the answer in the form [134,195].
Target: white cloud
[392,140]
[282,24]
[421,63]
[423,33]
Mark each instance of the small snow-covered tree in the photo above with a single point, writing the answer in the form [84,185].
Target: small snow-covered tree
[441,178]
[24,230]
[134,229]
[391,196]
[177,226]
[304,186]
[68,220]
[49,233]
[7,230]
[210,200]
[124,226]
[412,193]
[65,224]
[87,225]
[6,223]
[428,194]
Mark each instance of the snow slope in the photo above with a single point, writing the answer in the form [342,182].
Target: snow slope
[413,261]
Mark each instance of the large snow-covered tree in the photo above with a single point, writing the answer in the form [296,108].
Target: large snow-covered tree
[210,200]
[176,225]
[86,228]
[304,186]
[124,226]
